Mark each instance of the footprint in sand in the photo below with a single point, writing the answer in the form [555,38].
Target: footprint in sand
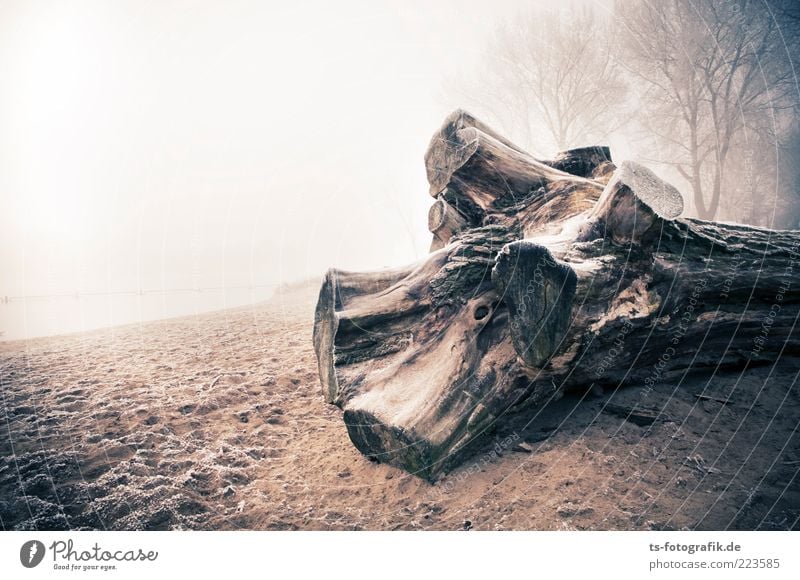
[99,462]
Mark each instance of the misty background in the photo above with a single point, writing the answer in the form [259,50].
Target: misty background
[169,158]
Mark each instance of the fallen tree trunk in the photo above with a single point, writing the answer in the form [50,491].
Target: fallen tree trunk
[540,282]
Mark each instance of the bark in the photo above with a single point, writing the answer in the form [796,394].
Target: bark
[546,282]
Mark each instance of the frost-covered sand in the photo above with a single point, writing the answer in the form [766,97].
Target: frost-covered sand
[217,422]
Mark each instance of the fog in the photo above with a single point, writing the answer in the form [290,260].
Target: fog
[169,158]
[164,158]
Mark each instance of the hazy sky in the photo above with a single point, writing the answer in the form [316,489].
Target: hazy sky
[174,143]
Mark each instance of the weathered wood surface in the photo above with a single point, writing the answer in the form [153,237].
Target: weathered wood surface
[541,281]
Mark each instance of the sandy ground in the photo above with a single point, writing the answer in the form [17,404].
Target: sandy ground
[217,422]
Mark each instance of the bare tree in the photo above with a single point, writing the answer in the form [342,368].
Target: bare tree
[710,75]
[549,78]
[787,14]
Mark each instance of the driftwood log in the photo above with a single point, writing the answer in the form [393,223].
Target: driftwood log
[544,277]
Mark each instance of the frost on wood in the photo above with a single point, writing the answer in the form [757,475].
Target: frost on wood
[537,268]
